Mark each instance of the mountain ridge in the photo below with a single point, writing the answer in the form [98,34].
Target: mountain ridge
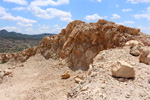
[5,34]
[14,42]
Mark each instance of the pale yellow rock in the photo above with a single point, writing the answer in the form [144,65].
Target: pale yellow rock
[85,88]
[145,55]
[122,69]
[133,43]
[135,51]
[7,71]
[78,80]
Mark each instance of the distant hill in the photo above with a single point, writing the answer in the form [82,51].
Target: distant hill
[5,33]
[14,42]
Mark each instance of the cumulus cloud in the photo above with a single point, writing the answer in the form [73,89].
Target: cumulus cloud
[11,28]
[48,2]
[138,1]
[129,22]
[18,18]
[145,29]
[24,24]
[117,5]
[146,14]
[50,13]
[3,11]
[126,10]
[115,16]
[19,8]
[94,17]
[21,2]
[44,29]
[97,0]
[7,16]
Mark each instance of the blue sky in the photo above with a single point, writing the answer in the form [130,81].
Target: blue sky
[50,16]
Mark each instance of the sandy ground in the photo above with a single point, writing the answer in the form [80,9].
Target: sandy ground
[100,85]
[39,79]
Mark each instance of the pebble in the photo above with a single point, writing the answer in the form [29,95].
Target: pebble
[94,74]
[149,81]
[84,88]
[127,95]
[7,71]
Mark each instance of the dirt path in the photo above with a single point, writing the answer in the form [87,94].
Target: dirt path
[39,79]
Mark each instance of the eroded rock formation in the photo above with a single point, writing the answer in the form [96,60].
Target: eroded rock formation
[80,42]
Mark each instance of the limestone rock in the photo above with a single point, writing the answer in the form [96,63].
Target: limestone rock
[7,71]
[78,79]
[145,55]
[135,51]
[123,70]
[133,43]
[66,75]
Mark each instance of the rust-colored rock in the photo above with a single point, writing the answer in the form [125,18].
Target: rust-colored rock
[66,75]
[80,42]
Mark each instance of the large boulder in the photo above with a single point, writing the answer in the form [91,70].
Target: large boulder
[122,69]
[145,55]
[133,43]
[135,51]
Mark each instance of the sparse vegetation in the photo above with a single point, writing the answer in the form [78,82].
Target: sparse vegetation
[13,42]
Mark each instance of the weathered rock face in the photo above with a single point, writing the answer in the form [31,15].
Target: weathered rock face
[80,42]
[122,69]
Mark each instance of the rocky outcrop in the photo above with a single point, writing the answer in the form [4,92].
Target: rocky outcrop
[123,70]
[80,42]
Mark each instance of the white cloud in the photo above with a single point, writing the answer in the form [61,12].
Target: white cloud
[115,16]
[117,5]
[44,26]
[11,28]
[138,1]
[48,2]
[50,13]
[145,29]
[56,29]
[7,16]
[94,17]
[19,8]
[97,0]
[129,22]
[126,10]
[44,29]
[146,14]
[21,2]
[3,11]
[18,18]
[24,24]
